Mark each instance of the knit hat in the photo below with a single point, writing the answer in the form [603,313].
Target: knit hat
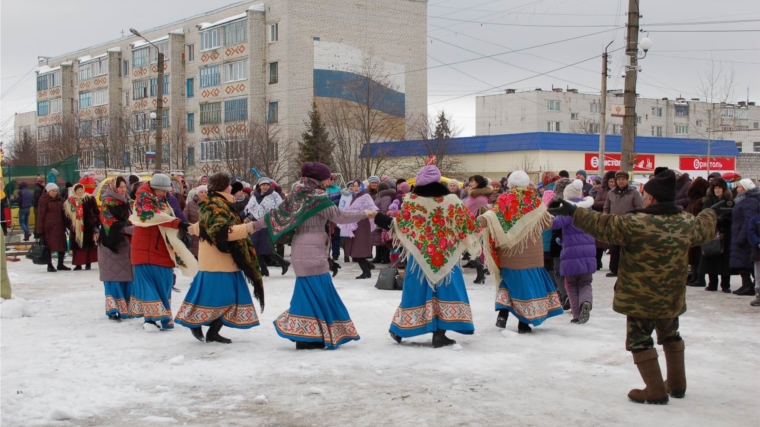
[559,187]
[427,175]
[385,178]
[496,185]
[662,187]
[582,172]
[658,170]
[405,187]
[454,182]
[52,186]
[394,206]
[247,191]
[374,179]
[574,190]
[264,180]
[518,179]
[201,189]
[622,174]
[714,175]
[161,182]
[236,187]
[315,170]
[747,184]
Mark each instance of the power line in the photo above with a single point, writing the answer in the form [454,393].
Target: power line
[736,21]
[704,59]
[703,31]
[506,24]
[707,50]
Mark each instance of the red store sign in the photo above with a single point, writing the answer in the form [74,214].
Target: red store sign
[700,163]
[644,162]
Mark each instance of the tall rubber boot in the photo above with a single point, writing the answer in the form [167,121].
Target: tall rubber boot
[676,382]
[649,368]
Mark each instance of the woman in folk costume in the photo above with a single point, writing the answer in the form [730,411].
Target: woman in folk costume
[514,249]
[263,200]
[434,228]
[359,233]
[156,250]
[317,317]
[218,295]
[83,220]
[113,250]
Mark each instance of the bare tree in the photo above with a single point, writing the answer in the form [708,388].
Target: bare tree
[63,141]
[587,125]
[23,151]
[716,86]
[436,136]
[526,162]
[178,143]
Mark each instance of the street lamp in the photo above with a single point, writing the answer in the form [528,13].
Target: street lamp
[158,114]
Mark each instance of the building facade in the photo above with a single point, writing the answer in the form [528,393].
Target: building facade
[248,67]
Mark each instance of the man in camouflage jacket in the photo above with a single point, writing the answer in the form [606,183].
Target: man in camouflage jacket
[651,285]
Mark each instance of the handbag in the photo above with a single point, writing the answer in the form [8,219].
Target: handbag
[389,279]
[39,254]
[714,247]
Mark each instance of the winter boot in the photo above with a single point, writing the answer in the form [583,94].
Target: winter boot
[300,345]
[78,268]
[88,266]
[712,284]
[585,312]
[62,267]
[283,264]
[378,255]
[334,267]
[756,302]
[566,303]
[213,333]
[263,267]
[395,337]
[441,340]
[523,328]
[501,319]
[51,269]
[676,382]
[694,278]
[725,284]
[366,273]
[481,272]
[198,333]
[748,288]
[649,368]
[26,237]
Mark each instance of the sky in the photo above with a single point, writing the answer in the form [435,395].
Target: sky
[477,35]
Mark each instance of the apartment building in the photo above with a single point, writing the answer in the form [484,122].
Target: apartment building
[251,62]
[569,111]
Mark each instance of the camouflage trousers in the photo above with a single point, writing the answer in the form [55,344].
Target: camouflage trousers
[639,333]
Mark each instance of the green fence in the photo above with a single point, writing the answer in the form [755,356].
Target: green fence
[67,172]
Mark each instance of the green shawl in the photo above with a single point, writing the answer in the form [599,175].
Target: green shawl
[216,216]
[307,199]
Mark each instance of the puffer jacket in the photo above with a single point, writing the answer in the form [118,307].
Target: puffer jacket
[747,205]
[753,235]
[578,248]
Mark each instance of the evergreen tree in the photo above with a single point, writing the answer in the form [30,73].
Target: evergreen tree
[442,130]
[316,145]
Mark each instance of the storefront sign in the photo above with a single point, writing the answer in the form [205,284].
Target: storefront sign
[644,162]
[700,163]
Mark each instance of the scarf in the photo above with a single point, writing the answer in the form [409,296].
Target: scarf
[74,208]
[150,211]
[518,217]
[361,201]
[114,216]
[260,196]
[216,218]
[307,199]
[436,231]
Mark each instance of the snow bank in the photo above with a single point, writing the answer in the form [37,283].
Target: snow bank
[16,308]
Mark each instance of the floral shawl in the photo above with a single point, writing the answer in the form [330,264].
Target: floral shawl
[517,217]
[216,218]
[307,199]
[75,208]
[436,231]
[360,202]
[114,216]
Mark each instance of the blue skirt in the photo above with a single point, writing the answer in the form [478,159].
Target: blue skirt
[151,294]
[316,314]
[529,295]
[424,310]
[118,296]
[215,295]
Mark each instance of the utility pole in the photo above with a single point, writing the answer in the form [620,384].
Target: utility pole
[159,112]
[627,149]
[603,117]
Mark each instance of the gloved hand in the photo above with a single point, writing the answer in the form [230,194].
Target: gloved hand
[565,208]
[184,226]
[718,205]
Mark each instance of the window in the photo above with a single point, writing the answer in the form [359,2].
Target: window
[43,133]
[125,67]
[211,113]
[85,129]
[273,72]
[617,129]
[209,76]
[99,97]
[552,105]
[682,129]
[141,122]
[593,128]
[100,67]
[43,107]
[236,110]
[638,119]
[139,57]
[211,39]
[756,125]
[552,127]
[190,53]
[739,146]
[42,82]
[273,33]
[164,120]
[140,89]
[273,113]
[191,122]
[682,111]
[573,116]
[85,72]
[756,147]
[43,158]
[235,71]
[163,47]
[126,97]
[220,150]
[656,130]
[595,108]
[727,113]
[154,88]
[191,156]
[699,123]
[235,32]
[101,127]
[190,90]
[85,100]
[657,111]
[50,80]
[741,113]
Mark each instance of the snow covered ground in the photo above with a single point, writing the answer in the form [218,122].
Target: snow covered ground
[68,364]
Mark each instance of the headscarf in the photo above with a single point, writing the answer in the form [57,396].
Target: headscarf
[114,216]
[307,199]
[74,207]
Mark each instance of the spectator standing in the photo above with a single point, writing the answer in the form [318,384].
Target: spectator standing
[719,265]
[747,205]
[25,203]
[620,200]
[50,226]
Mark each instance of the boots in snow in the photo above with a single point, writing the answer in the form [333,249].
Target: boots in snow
[281,262]
[501,319]
[523,328]
[334,267]
[649,368]
[566,303]
[213,333]
[300,345]
[748,288]
[78,268]
[198,333]
[395,337]
[62,267]
[441,340]
[756,302]
[264,269]
[585,312]
[366,272]
[481,272]
[676,381]
[725,283]
[26,237]
[88,266]
[51,269]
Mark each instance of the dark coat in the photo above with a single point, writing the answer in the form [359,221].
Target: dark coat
[696,194]
[176,207]
[115,264]
[718,265]
[51,222]
[39,190]
[91,225]
[240,206]
[683,183]
[383,202]
[753,234]
[600,199]
[191,213]
[747,206]
[25,199]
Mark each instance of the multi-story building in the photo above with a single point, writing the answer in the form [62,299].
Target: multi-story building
[249,64]
[569,111]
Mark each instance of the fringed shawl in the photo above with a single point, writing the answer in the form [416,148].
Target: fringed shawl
[360,202]
[114,216]
[76,208]
[307,199]
[436,231]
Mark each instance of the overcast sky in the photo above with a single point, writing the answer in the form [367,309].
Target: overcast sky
[52,27]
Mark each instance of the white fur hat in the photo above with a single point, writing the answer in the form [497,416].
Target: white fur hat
[518,179]
[574,190]
[747,184]
[52,186]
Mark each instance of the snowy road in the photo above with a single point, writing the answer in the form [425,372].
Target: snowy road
[69,365]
